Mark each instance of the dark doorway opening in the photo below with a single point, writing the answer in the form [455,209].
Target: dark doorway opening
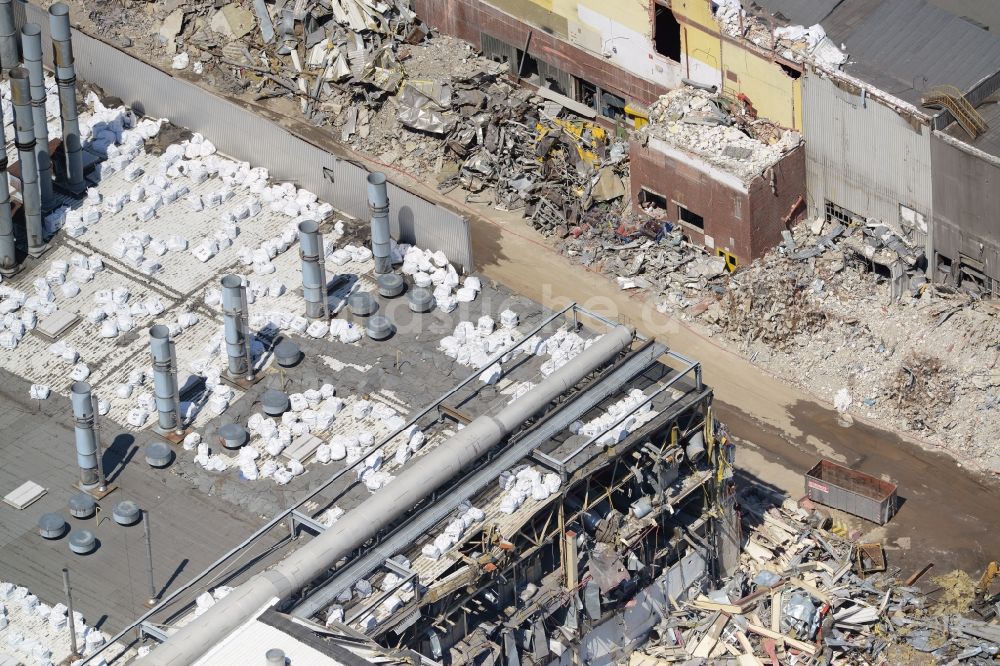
[667,34]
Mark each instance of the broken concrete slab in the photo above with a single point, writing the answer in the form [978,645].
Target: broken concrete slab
[233,21]
[171,27]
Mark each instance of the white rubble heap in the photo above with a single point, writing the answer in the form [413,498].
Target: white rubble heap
[431,270]
[679,118]
[523,483]
[794,42]
[35,633]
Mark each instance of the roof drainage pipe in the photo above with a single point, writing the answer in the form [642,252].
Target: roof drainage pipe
[62,50]
[24,138]
[422,477]
[8,249]
[31,45]
[378,199]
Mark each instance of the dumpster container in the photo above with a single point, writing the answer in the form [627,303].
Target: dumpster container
[852,491]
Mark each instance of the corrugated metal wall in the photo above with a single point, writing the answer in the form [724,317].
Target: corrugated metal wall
[863,156]
[245,135]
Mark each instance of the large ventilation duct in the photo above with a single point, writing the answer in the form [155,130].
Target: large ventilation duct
[165,389]
[9,57]
[237,325]
[62,52]
[8,249]
[313,270]
[416,482]
[378,199]
[24,138]
[83,429]
[31,45]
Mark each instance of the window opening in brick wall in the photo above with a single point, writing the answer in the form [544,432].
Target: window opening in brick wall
[651,202]
[667,34]
[690,218]
[842,215]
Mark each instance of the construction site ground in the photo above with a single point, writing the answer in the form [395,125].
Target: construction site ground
[946,510]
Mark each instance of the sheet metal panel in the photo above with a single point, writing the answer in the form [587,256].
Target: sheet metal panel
[863,156]
[243,134]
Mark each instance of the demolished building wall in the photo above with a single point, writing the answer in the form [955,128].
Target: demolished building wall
[866,158]
[742,219]
[966,207]
[772,87]
[568,47]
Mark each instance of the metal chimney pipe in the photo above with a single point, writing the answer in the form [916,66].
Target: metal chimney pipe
[415,482]
[378,199]
[235,316]
[8,250]
[165,387]
[313,270]
[62,53]
[31,46]
[24,138]
[9,56]
[83,427]
[275,657]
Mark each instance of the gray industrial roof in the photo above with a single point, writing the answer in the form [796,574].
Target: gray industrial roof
[906,47]
[903,47]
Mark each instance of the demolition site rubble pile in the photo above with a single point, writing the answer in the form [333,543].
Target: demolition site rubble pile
[373,76]
[802,594]
[848,312]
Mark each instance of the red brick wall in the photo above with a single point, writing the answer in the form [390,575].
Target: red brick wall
[467,18]
[745,223]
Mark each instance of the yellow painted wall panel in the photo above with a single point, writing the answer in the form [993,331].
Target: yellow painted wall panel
[701,46]
[776,95]
[697,11]
[632,14]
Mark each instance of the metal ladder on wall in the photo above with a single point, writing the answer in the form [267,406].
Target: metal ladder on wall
[952,99]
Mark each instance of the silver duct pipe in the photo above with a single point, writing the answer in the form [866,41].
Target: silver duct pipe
[9,57]
[236,319]
[165,388]
[8,250]
[31,46]
[378,199]
[83,428]
[62,53]
[24,138]
[421,478]
[313,270]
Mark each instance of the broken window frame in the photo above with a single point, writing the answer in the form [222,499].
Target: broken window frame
[832,211]
[646,195]
[593,96]
[681,209]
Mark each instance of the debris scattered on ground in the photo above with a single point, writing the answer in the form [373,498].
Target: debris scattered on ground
[802,594]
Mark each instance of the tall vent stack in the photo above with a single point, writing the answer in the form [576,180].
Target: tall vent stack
[236,319]
[313,269]
[62,50]
[165,389]
[24,138]
[8,251]
[83,428]
[378,199]
[31,46]
[9,56]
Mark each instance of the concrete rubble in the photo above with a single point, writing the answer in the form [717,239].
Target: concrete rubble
[805,595]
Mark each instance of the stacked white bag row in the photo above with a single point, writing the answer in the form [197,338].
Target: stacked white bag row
[472,345]
[524,482]
[206,600]
[432,270]
[562,346]
[634,405]
[466,516]
[37,631]
[401,592]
